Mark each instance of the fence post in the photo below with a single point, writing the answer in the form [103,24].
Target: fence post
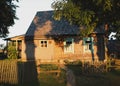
[58,74]
[108,65]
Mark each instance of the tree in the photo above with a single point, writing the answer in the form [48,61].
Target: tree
[89,13]
[7,15]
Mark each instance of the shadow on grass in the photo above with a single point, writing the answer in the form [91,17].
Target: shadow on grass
[94,79]
[50,79]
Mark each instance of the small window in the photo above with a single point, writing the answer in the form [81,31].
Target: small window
[88,43]
[87,47]
[43,43]
[69,45]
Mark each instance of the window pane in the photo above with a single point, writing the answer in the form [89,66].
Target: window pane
[43,43]
[68,45]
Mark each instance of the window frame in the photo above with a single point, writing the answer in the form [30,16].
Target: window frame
[69,45]
[88,44]
[43,43]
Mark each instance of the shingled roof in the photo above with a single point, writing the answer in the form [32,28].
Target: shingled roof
[44,24]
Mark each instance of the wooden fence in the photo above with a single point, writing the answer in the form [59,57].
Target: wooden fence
[93,67]
[17,72]
[49,67]
[8,72]
[113,64]
[14,72]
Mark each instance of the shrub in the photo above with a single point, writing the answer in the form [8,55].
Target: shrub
[12,52]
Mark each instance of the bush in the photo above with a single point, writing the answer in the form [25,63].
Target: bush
[48,67]
[12,52]
[76,62]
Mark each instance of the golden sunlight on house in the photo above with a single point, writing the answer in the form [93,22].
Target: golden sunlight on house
[49,39]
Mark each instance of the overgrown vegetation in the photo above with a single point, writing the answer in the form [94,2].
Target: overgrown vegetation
[48,67]
[93,78]
[103,79]
[11,52]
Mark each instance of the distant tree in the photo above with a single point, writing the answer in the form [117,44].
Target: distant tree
[7,15]
[89,13]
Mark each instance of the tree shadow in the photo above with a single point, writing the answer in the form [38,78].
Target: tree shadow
[29,67]
[100,47]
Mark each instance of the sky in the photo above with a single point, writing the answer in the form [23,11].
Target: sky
[26,12]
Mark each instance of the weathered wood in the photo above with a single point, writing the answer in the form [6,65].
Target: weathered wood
[113,64]
[16,72]
[8,72]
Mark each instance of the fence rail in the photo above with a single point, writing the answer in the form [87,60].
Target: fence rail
[113,64]
[50,67]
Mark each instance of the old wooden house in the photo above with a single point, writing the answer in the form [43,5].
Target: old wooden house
[48,39]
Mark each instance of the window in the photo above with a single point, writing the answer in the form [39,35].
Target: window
[43,43]
[88,44]
[69,45]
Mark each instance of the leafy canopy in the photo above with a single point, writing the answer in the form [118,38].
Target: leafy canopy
[7,15]
[89,13]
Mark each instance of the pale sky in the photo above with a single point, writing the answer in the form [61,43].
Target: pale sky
[26,12]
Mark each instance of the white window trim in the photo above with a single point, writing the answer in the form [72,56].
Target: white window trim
[86,45]
[72,40]
[86,50]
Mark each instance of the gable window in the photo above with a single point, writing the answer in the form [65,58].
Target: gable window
[88,44]
[69,45]
[43,43]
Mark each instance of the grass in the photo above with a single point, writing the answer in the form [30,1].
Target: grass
[48,79]
[96,79]
[52,79]
[104,79]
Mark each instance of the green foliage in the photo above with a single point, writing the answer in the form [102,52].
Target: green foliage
[48,67]
[12,52]
[7,15]
[89,13]
[77,62]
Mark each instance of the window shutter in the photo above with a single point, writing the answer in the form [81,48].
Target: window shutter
[92,43]
[84,41]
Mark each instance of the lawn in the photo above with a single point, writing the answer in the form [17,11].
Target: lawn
[82,79]
[51,80]
[99,79]
[111,78]
[94,79]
